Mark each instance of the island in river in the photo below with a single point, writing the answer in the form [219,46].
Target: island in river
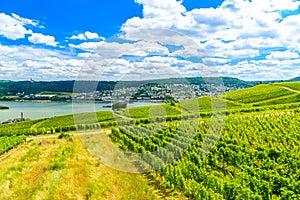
[4,107]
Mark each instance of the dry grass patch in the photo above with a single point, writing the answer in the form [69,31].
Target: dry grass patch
[62,169]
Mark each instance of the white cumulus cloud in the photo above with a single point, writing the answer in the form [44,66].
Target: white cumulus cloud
[234,32]
[13,27]
[39,38]
[87,36]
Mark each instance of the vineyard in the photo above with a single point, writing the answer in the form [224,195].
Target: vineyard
[272,97]
[244,144]
[59,124]
[241,165]
[283,100]
[7,143]
[257,93]
[148,111]
[292,85]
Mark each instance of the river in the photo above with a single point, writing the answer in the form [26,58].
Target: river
[34,110]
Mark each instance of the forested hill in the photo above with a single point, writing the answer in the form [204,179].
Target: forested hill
[51,86]
[11,87]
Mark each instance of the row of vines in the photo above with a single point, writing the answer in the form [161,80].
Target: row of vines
[7,143]
[255,157]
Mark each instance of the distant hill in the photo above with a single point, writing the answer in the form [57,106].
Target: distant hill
[201,81]
[12,88]
[276,81]
[55,86]
[294,79]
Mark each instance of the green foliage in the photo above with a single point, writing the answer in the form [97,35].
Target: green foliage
[66,136]
[7,143]
[294,98]
[119,105]
[28,87]
[19,128]
[4,107]
[258,93]
[150,111]
[256,157]
[66,123]
[77,119]
[207,104]
[59,124]
[10,87]
[292,85]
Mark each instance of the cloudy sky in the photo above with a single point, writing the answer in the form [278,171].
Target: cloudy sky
[142,39]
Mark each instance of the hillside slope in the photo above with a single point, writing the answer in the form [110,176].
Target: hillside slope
[256,156]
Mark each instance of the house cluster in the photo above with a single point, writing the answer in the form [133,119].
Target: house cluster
[148,92]
[152,93]
[46,97]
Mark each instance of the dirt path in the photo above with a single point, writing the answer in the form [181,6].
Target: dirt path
[8,153]
[121,116]
[290,89]
[73,134]
[235,102]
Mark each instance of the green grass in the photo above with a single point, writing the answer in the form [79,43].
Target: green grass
[208,104]
[59,123]
[78,119]
[57,93]
[62,169]
[292,85]
[150,111]
[255,157]
[284,100]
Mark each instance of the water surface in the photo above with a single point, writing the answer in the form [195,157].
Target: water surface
[34,110]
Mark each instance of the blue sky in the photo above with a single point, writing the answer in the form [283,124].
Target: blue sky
[144,39]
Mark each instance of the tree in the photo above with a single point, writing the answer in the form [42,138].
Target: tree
[119,105]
